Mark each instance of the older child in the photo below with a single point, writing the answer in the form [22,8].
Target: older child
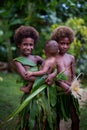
[33,116]
[48,66]
[67,106]
[25,38]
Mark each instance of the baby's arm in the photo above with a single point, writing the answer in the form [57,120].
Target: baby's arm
[50,77]
[43,71]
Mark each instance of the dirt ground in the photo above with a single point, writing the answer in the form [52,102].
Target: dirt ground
[67,125]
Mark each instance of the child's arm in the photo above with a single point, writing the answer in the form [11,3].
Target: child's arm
[73,68]
[64,86]
[21,71]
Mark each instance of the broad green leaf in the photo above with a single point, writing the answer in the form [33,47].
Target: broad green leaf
[53,95]
[49,111]
[25,61]
[37,88]
[38,82]
[32,115]
[26,101]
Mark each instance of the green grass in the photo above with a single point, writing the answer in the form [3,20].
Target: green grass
[10,96]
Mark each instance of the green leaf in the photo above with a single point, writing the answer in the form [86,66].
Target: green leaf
[38,82]
[36,89]
[35,68]
[25,102]
[32,115]
[61,76]
[49,111]
[25,61]
[53,95]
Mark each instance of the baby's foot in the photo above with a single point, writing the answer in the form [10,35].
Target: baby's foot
[25,89]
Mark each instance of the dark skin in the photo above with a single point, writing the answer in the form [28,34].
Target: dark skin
[50,51]
[46,67]
[66,62]
[26,48]
[48,64]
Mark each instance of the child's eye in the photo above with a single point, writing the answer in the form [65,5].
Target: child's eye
[31,44]
[62,43]
[25,44]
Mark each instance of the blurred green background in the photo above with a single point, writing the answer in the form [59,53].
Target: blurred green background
[45,16]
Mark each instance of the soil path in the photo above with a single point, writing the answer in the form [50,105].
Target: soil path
[67,125]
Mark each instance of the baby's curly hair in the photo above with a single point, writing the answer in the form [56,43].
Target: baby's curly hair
[25,32]
[62,32]
[51,46]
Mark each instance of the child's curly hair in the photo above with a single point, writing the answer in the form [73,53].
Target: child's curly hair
[25,32]
[62,32]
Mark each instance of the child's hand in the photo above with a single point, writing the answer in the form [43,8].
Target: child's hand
[68,91]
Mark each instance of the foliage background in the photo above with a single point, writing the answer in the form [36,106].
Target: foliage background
[44,15]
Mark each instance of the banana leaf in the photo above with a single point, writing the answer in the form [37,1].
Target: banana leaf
[38,82]
[36,89]
[25,61]
[26,101]
[52,95]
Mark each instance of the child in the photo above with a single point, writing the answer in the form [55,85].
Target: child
[67,106]
[25,38]
[51,51]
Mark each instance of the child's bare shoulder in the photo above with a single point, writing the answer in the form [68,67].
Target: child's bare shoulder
[71,57]
[38,59]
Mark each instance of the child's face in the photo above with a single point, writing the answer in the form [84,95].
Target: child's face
[26,46]
[64,44]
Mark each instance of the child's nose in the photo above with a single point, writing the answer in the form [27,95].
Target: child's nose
[28,47]
[65,46]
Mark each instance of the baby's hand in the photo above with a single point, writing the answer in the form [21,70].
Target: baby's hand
[28,74]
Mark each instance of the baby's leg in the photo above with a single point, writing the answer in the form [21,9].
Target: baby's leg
[26,89]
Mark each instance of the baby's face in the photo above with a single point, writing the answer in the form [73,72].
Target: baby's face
[26,46]
[64,44]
